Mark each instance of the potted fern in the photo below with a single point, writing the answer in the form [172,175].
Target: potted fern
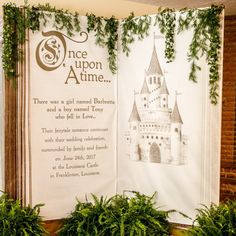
[119,216]
[215,220]
[16,220]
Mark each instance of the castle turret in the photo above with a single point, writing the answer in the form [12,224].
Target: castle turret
[176,134]
[144,95]
[134,121]
[154,71]
[153,76]
[164,93]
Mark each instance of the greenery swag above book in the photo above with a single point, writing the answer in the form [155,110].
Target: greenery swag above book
[204,22]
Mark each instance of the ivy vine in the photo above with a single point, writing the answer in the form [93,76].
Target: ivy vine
[134,26]
[17,20]
[205,41]
[204,22]
[106,33]
[12,37]
[166,20]
[63,19]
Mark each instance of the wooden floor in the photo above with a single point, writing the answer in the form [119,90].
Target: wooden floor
[53,226]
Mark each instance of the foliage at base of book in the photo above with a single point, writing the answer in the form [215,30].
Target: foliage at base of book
[215,220]
[16,220]
[119,215]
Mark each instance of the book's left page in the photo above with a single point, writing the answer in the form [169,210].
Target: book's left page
[70,120]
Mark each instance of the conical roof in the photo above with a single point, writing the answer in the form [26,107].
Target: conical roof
[145,89]
[154,66]
[164,89]
[134,116]
[175,116]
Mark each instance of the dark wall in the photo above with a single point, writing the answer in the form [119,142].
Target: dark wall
[228,141]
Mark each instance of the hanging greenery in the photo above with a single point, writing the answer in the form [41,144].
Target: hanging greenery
[12,37]
[17,20]
[131,27]
[106,35]
[205,41]
[204,22]
[63,19]
[166,20]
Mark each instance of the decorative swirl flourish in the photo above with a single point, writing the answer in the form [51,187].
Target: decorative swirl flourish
[81,34]
[51,51]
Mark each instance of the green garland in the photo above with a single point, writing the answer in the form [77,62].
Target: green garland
[205,41]
[106,35]
[132,27]
[29,18]
[166,20]
[63,19]
[12,37]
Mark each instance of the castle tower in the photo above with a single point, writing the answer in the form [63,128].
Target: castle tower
[164,94]
[154,72]
[144,95]
[176,134]
[134,121]
[153,76]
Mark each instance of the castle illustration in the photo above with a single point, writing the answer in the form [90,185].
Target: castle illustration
[155,130]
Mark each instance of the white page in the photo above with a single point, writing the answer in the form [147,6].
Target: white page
[175,153]
[70,120]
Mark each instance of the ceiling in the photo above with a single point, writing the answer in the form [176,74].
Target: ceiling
[230,5]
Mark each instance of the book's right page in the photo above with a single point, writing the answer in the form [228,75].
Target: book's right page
[168,130]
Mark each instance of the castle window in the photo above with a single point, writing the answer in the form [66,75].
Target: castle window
[144,98]
[147,136]
[176,130]
[145,105]
[152,137]
[156,137]
[142,136]
[161,138]
[159,144]
[150,80]
[164,105]
[155,80]
[134,127]
[164,99]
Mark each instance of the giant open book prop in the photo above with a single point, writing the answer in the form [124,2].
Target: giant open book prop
[86,130]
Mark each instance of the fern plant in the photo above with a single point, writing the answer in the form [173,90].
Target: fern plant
[16,220]
[136,216]
[215,220]
[117,216]
[84,220]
